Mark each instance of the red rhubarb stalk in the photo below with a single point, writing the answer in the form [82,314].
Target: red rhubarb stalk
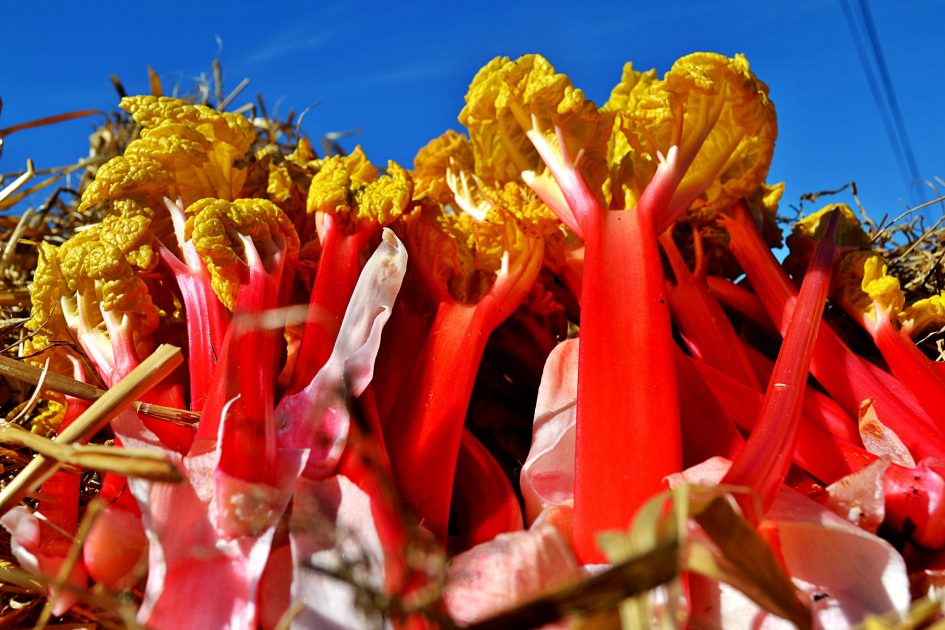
[707,426]
[352,204]
[705,133]
[628,435]
[846,376]
[484,503]
[248,441]
[763,464]
[708,333]
[425,425]
[339,266]
[740,300]
[914,497]
[904,358]
[247,245]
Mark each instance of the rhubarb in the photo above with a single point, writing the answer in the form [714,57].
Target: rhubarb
[764,463]
[703,135]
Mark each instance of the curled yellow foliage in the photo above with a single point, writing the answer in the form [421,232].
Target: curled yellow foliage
[130,230]
[349,188]
[216,225]
[718,115]
[444,173]
[924,316]
[882,288]
[153,111]
[47,323]
[49,418]
[450,152]
[509,101]
[184,150]
[461,256]
[626,179]
[532,216]
[99,273]
[850,231]
[141,179]
[847,285]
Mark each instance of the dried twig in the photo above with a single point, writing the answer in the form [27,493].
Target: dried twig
[128,462]
[150,372]
[65,385]
[18,182]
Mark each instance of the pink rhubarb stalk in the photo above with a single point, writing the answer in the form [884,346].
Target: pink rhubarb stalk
[248,439]
[207,319]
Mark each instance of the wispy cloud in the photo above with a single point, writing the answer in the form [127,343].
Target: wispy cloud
[404,74]
[290,42]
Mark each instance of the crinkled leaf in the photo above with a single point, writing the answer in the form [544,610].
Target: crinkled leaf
[451,151]
[215,227]
[349,187]
[509,99]
[718,114]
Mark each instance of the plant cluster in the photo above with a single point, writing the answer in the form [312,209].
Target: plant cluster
[514,384]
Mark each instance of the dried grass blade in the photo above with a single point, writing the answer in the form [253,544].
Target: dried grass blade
[13,577]
[128,462]
[7,203]
[50,120]
[15,297]
[151,371]
[600,593]
[15,236]
[18,183]
[21,371]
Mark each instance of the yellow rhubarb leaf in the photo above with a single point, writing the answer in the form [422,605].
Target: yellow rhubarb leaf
[717,114]
[924,316]
[349,188]
[522,115]
[449,156]
[47,323]
[882,288]
[216,225]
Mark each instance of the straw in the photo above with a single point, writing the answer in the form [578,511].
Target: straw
[150,372]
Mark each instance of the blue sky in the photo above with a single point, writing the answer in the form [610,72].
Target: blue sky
[399,71]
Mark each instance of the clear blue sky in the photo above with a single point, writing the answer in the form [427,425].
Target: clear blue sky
[399,71]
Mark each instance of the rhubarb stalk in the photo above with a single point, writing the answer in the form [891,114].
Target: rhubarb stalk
[649,140]
[425,424]
[847,377]
[764,463]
